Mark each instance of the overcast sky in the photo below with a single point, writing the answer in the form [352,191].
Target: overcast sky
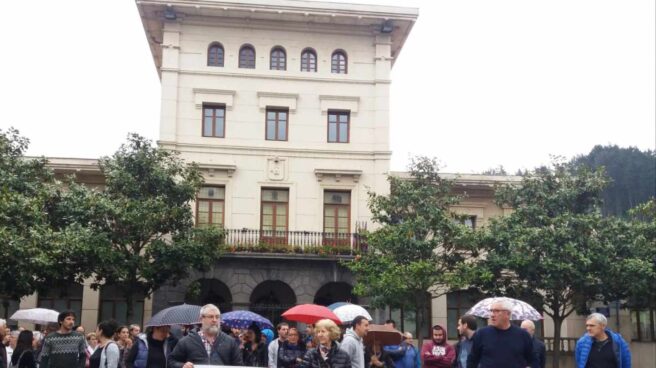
[479,83]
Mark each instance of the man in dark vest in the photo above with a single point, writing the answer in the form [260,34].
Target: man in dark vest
[152,349]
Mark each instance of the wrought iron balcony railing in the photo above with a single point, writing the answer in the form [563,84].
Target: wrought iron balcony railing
[293,242]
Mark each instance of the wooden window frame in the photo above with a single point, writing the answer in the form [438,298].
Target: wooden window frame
[279,58]
[281,240]
[214,117]
[115,300]
[306,65]
[471,218]
[221,60]
[336,239]
[337,123]
[242,62]
[277,111]
[335,65]
[211,204]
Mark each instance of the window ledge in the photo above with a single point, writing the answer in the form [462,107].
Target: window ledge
[333,102]
[338,174]
[276,99]
[216,96]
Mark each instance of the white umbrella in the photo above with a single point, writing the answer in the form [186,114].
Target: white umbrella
[348,312]
[39,316]
[520,310]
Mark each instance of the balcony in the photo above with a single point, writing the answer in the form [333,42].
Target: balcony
[293,242]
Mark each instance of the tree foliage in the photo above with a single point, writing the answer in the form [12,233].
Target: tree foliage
[556,250]
[632,173]
[34,254]
[141,223]
[636,264]
[417,247]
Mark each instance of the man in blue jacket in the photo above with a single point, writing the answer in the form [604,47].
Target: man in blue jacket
[601,347]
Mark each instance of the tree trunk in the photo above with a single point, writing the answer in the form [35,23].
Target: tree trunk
[419,320]
[129,307]
[558,322]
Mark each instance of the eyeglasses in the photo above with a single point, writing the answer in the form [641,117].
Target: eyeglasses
[495,311]
[212,316]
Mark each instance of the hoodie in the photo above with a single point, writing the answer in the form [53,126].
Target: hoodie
[352,345]
[437,355]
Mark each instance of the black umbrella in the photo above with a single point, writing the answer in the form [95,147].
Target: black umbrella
[185,314]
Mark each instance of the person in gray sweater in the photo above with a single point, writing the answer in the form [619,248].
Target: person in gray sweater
[352,342]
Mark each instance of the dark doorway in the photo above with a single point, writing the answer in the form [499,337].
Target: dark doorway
[333,292]
[209,291]
[271,298]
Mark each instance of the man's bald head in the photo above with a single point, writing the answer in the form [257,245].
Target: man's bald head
[529,326]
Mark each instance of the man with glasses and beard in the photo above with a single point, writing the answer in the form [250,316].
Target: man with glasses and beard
[207,346]
[501,344]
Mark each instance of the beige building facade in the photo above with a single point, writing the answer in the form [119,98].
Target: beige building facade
[284,105]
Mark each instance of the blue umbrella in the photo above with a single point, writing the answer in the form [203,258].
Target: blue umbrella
[334,306]
[243,319]
[185,314]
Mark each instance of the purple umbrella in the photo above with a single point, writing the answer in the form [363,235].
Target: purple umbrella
[243,319]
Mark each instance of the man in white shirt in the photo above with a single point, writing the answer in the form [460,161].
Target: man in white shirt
[274,346]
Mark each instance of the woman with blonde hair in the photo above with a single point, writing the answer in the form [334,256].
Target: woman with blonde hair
[327,354]
[92,343]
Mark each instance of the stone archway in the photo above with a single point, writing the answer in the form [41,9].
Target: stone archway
[271,298]
[333,292]
[209,291]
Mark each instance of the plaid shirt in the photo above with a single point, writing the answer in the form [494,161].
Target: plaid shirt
[207,342]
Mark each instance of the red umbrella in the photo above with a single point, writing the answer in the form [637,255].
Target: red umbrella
[310,313]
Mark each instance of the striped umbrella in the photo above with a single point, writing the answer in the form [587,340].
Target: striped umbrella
[243,319]
[184,314]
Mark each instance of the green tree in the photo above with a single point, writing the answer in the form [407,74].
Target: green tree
[632,173]
[635,261]
[412,256]
[34,254]
[141,223]
[555,249]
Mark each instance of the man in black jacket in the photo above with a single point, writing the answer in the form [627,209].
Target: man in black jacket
[539,350]
[466,329]
[207,346]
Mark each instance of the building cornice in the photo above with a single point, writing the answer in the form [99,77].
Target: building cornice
[268,151]
[353,18]
[263,75]
[469,180]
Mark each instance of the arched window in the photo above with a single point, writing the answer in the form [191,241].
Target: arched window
[338,62]
[278,59]
[247,57]
[215,54]
[308,60]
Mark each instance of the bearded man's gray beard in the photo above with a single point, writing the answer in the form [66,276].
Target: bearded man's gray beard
[212,330]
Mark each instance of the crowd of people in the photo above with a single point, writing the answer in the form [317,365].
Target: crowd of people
[500,344]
